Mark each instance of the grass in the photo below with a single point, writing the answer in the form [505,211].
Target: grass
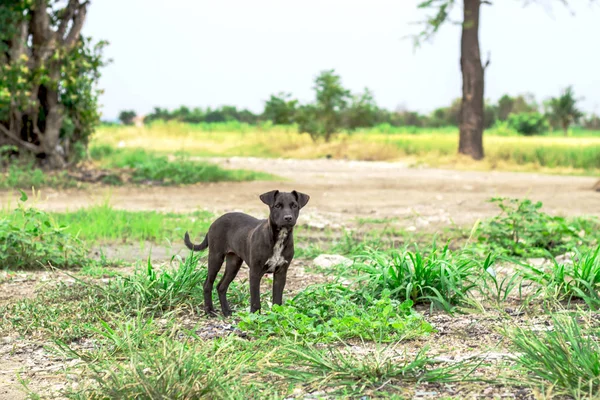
[565,357]
[440,277]
[437,147]
[24,174]
[148,167]
[112,225]
[143,334]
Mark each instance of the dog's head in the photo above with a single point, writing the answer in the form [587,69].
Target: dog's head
[284,206]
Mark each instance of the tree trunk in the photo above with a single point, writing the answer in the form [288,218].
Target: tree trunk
[471,110]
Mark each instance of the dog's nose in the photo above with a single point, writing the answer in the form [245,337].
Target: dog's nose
[288,218]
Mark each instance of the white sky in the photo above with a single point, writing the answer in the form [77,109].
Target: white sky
[239,52]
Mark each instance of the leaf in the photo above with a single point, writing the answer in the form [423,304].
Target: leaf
[24,197]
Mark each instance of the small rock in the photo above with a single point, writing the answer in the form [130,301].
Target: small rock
[331,260]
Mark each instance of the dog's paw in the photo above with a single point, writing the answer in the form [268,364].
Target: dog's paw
[210,312]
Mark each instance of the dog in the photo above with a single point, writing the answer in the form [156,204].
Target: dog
[267,246]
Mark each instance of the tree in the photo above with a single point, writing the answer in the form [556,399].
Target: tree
[324,117]
[280,109]
[473,71]
[562,111]
[363,112]
[126,117]
[48,74]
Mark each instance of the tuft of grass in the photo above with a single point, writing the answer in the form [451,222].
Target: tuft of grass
[30,238]
[348,373]
[439,278]
[147,167]
[566,357]
[330,312]
[578,280]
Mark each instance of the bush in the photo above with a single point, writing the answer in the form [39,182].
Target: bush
[532,123]
[30,238]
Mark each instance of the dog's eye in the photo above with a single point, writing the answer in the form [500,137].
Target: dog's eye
[277,205]
[294,205]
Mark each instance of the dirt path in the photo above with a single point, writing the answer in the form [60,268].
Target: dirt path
[348,189]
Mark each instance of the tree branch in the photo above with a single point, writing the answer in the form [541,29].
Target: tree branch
[29,146]
[66,16]
[78,21]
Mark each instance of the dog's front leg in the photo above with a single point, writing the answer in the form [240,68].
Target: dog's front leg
[279,278]
[255,277]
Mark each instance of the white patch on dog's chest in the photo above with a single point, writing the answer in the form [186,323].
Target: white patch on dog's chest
[277,260]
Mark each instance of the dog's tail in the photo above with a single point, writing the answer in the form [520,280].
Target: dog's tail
[195,247]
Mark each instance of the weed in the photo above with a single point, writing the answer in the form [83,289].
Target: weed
[522,230]
[350,373]
[566,356]
[440,278]
[579,279]
[330,312]
[30,238]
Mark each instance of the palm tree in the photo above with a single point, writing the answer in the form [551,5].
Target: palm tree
[562,111]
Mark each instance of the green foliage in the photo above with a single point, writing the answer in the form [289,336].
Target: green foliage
[324,118]
[522,104]
[528,124]
[146,167]
[126,117]
[30,238]
[566,356]
[332,312]
[281,109]
[439,278]
[362,112]
[22,173]
[37,85]
[563,111]
[522,229]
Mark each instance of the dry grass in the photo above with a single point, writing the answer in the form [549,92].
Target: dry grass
[545,154]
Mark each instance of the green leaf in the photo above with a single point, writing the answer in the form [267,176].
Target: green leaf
[23,196]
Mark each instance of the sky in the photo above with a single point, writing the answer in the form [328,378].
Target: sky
[203,53]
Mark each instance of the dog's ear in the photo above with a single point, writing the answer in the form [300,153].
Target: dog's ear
[269,197]
[301,198]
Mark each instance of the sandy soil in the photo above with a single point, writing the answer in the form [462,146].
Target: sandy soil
[341,190]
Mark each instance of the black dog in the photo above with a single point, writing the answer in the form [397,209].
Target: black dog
[265,245]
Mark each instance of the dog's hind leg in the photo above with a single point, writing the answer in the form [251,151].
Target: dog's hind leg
[232,267]
[215,261]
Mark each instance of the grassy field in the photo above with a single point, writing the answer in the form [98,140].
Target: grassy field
[577,154]
[400,321]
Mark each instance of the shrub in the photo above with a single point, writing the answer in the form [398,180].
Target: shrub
[531,123]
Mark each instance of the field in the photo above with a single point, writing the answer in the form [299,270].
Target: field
[447,283]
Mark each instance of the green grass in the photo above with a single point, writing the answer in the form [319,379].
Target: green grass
[147,167]
[565,357]
[113,225]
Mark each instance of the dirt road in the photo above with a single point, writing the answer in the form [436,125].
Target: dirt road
[341,190]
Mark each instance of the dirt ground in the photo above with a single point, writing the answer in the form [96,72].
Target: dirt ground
[342,190]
